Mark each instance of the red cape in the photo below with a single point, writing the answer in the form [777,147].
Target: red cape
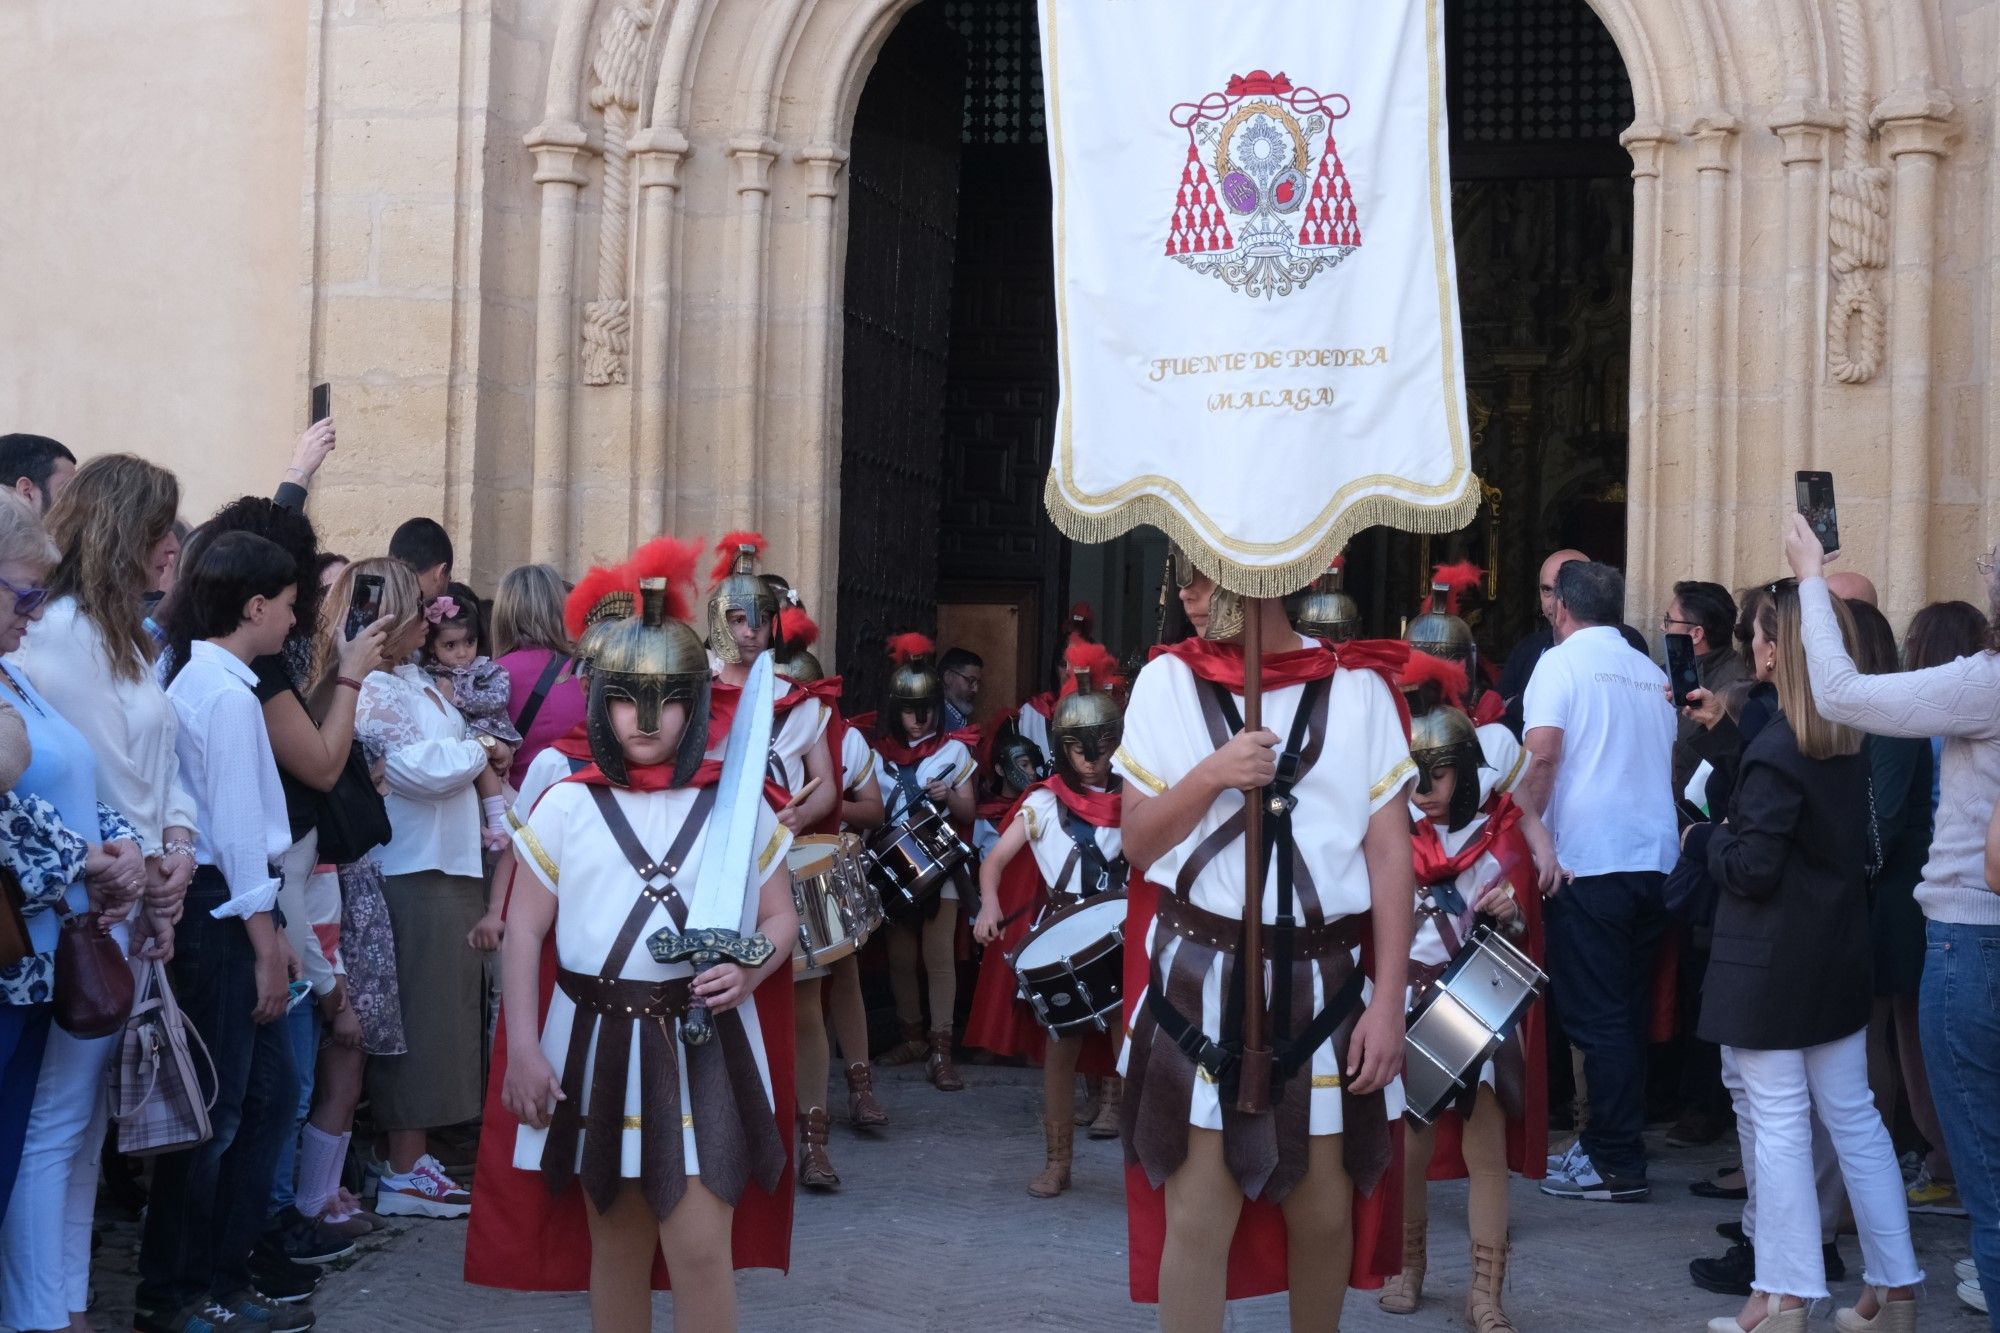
[523,1239]
[1000,1021]
[1257,1255]
[1222,664]
[1528,1136]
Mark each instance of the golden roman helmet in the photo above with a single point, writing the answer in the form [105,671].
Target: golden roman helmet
[914,682]
[1324,610]
[651,659]
[1088,711]
[794,636]
[1225,608]
[1445,735]
[802,667]
[739,587]
[1440,631]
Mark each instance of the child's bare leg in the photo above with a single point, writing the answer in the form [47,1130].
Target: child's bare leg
[1319,1234]
[695,1237]
[622,1242]
[1203,1203]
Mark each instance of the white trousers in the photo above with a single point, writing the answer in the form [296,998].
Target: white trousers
[1826,1167]
[45,1241]
[1784,1089]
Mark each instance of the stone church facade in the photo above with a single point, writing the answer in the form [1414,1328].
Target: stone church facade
[575,268]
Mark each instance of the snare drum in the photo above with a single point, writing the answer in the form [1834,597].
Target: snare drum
[835,905]
[910,863]
[1071,968]
[1462,1020]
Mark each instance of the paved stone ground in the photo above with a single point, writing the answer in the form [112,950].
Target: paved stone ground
[933,1230]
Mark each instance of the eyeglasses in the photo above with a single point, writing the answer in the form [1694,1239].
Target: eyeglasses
[963,675]
[27,601]
[1668,622]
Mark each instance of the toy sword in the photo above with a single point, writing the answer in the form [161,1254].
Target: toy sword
[722,913]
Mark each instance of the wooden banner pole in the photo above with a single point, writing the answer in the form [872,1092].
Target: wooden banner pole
[1253,1091]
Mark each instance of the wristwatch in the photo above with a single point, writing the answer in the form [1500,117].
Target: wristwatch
[486,741]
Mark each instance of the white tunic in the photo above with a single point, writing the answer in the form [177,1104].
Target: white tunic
[565,843]
[1427,946]
[793,737]
[1363,765]
[1032,724]
[952,764]
[1049,840]
[1506,761]
[857,760]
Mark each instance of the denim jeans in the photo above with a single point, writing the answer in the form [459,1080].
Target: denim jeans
[302,1030]
[1602,930]
[24,1036]
[1958,1015]
[207,1206]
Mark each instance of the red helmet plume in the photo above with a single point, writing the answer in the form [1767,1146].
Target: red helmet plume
[1459,578]
[908,647]
[592,588]
[797,629]
[725,551]
[1082,619]
[674,561]
[1094,658]
[1424,669]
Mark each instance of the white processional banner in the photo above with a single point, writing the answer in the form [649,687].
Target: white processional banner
[1257,309]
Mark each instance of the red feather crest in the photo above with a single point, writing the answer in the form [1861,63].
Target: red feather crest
[796,628]
[1424,669]
[674,561]
[1460,578]
[725,551]
[1094,658]
[1339,562]
[591,589]
[1082,618]
[907,647]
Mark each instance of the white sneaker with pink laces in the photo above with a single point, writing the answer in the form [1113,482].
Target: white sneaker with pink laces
[424,1191]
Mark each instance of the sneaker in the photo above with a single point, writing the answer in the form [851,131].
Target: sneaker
[1936,1197]
[1560,1163]
[1970,1293]
[201,1316]
[1966,1270]
[1582,1181]
[277,1276]
[345,1225]
[1729,1275]
[305,1241]
[255,1311]
[424,1191]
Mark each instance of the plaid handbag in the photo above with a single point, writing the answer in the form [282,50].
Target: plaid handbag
[157,1098]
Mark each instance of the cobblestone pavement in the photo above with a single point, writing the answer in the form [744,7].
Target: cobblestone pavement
[933,1230]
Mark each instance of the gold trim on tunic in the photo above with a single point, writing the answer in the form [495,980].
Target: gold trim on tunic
[1395,778]
[536,850]
[1138,771]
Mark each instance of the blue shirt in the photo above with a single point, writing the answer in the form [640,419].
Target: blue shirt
[62,772]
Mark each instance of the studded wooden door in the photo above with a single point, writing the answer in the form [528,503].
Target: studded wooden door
[901,240]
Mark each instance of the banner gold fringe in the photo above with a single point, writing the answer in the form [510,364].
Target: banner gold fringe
[1260,580]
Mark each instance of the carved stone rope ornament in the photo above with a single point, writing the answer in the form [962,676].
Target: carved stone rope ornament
[1858,223]
[617,69]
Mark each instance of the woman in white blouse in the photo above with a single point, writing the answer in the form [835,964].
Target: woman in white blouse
[435,897]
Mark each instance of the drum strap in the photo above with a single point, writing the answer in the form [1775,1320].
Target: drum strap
[906,784]
[1302,750]
[1099,875]
[602,1147]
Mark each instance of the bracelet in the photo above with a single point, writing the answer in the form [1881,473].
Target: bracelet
[350,682]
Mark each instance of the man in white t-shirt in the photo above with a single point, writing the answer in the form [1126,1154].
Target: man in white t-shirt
[1600,736]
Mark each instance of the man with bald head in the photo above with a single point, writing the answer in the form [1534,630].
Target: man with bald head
[1521,662]
[1850,586]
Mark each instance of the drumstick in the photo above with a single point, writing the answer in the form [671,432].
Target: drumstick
[803,792]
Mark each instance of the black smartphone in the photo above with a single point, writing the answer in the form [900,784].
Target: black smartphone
[1682,674]
[1815,494]
[322,403]
[366,607]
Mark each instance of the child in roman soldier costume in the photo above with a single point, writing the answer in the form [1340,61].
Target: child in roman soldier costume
[1324,610]
[1225,1203]
[1472,865]
[1031,719]
[860,811]
[1069,822]
[746,612]
[1013,765]
[1440,631]
[917,762]
[651,1101]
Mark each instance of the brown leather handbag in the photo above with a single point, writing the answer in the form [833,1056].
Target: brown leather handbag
[14,942]
[93,981]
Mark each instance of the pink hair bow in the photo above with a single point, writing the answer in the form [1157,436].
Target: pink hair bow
[441,609]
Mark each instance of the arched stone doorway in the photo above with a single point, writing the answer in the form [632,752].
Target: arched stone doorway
[948,404]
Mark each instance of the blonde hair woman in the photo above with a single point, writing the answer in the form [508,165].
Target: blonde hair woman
[432,885]
[1787,995]
[545,701]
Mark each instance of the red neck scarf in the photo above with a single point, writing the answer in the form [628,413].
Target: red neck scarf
[1427,847]
[1043,703]
[723,699]
[902,756]
[1098,808]
[649,777]
[1222,664]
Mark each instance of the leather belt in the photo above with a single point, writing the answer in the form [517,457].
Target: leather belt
[611,997]
[1225,933]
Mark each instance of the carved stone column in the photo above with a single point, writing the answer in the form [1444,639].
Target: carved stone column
[659,154]
[557,148]
[1915,125]
[1644,143]
[741,495]
[1803,129]
[1714,450]
[817,536]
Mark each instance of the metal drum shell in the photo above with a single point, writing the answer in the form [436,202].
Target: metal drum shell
[1050,987]
[910,863]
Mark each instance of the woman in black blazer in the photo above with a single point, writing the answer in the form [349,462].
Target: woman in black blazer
[1788,996]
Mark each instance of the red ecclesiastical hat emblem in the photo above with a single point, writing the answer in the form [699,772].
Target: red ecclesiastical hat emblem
[1283,210]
